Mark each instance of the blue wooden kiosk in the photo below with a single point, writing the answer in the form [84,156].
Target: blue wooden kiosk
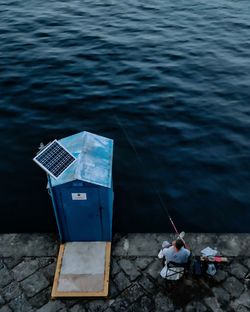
[82,197]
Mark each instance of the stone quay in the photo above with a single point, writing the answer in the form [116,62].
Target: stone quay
[28,261]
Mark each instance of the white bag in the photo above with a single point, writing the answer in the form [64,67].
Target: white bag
[211,270]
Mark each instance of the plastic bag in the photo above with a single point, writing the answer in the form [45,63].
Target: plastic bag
[211,269]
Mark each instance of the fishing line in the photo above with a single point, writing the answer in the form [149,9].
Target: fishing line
[142,164]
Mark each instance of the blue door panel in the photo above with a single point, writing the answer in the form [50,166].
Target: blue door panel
[82,215]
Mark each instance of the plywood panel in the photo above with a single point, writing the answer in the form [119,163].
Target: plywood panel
[82,270]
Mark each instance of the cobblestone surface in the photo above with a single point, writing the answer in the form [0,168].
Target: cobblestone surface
[135,284]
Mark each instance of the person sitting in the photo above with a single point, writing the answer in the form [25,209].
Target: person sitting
[176,256]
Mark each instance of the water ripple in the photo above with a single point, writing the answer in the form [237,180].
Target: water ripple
[176,76]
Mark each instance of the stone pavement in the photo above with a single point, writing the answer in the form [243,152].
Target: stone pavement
[27,266]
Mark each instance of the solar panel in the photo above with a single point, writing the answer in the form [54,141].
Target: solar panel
[54,159]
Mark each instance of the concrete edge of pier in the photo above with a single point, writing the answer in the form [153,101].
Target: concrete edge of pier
[133,244]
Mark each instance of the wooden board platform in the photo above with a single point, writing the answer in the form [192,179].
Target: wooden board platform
[82,270]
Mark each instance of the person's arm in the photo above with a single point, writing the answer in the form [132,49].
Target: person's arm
[162,253]
[167,252]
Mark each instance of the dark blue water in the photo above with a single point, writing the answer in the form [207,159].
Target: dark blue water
[169,81]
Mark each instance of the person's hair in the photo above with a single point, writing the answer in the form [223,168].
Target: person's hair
[178,244]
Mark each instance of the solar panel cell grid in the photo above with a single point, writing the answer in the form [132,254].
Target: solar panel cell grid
[54,159]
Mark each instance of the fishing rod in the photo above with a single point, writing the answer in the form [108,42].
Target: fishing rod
[180,235]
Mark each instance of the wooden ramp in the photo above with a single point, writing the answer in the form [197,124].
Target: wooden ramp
[82,270]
